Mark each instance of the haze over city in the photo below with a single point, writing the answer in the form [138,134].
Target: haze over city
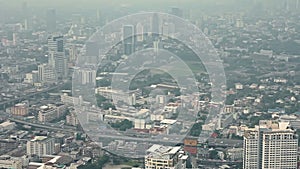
[139,84]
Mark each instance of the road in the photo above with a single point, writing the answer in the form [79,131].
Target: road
[43,126]
[3,104]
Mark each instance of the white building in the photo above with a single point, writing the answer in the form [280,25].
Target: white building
[85,75]
[72,120]
[40,145]
[140,32]
[163,157]
[270,145]
[139,124]
[31,78]
[66,99]
[5,126]
[50,112]
[46,73]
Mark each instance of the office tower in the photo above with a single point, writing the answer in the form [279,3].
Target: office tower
[91,53]
[168,30]
[165,30]
[73,53]
[85,75]
[40,146]
[155,25]
[156,45]
[271,144]
[56,44]
[51,20]
[46,73]
[61,65]
[177,12]
[99,18]
[165,157]
[128,39]
[15,39]
[24,9]
[56,56]
[139,32]
[25,15]
[98,15]
[26,25]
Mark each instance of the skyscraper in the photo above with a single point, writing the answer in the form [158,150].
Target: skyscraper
[155,25]
[177,12]
[139,32]
[272,144]
[46,73]
[51,20]
[128,39]
[57,58]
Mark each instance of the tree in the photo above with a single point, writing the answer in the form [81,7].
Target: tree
[213,154]
[196,129]
[123,125]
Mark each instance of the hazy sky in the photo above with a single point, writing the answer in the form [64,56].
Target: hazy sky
[110,7]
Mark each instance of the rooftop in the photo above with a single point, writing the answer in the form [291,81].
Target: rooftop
[162,152]
[39,138]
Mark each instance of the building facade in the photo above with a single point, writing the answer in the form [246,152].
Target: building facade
[163,157]
[272,144]
[20,109]
[40,146]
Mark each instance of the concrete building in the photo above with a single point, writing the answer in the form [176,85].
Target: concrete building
[85,75]
[31,78]
[20,109]
[66,99]
[128,39]
[40,145]
[11,163]
[163,157]
[48,162]
[6,126]
[56,55]
[235,154]
[46,73]
[50,112]
[72,120]
[272,144]
[139,32]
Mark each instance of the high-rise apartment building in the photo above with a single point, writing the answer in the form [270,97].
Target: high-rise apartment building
[40,146]
[271,144]
[46,73]
[128,39]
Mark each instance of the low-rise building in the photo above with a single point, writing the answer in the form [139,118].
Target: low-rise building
[7,125]
[20,109]
[11,163]
[164,157]
[50,112]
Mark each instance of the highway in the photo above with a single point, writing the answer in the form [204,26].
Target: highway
[43,126]
[4,103]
